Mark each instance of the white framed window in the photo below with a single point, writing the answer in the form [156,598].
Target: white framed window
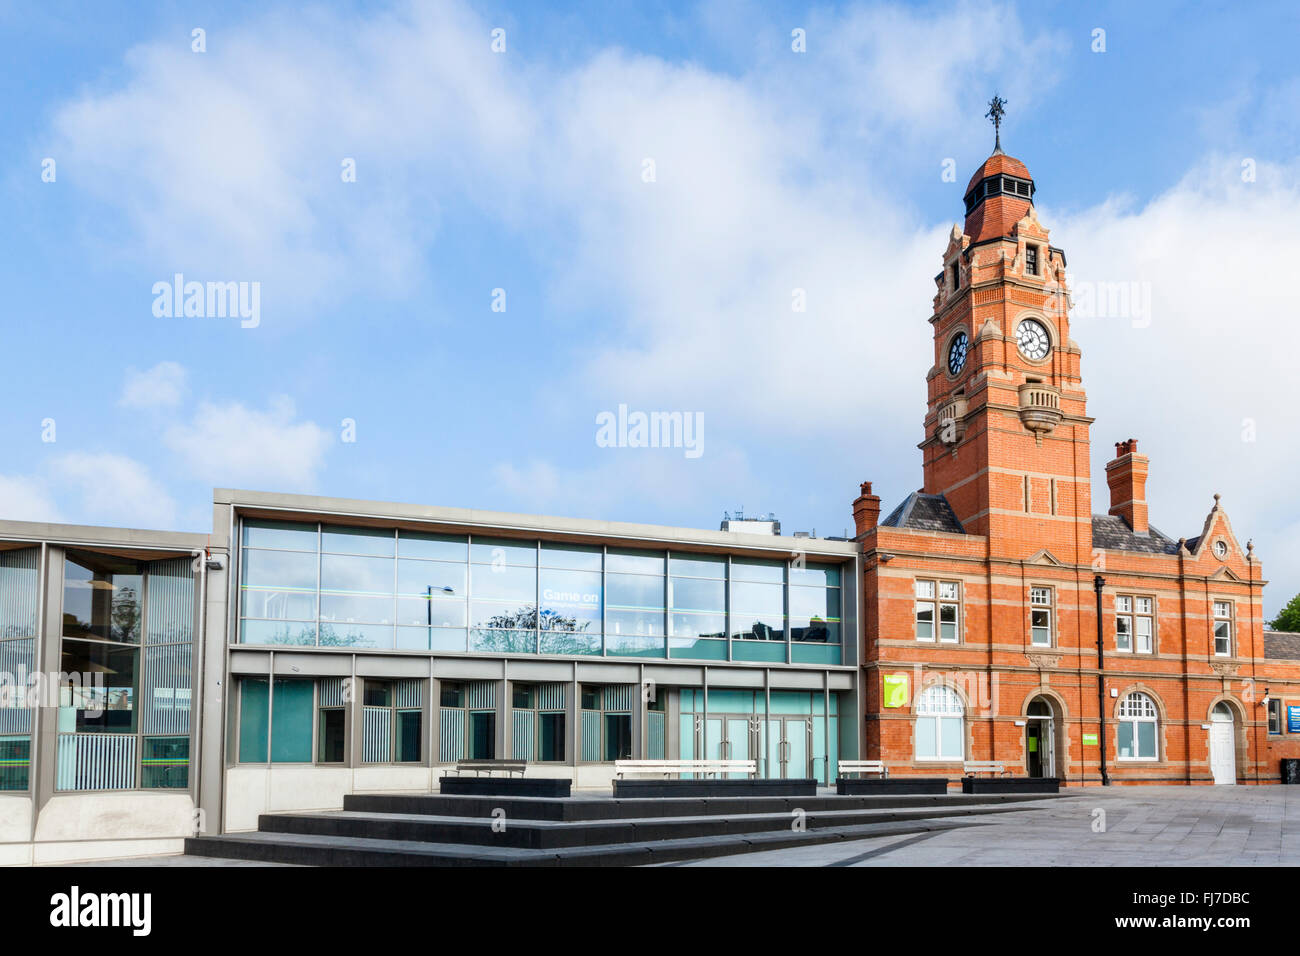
[1134,624]
[1222,628]
[938,611]
[1040,617]
[1123,624]
[1274,715]
[940,725]
[1136,736]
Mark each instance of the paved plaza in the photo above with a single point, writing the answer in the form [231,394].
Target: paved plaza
[1143,826]
[1120,826]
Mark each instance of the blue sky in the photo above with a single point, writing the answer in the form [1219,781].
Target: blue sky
[522,171]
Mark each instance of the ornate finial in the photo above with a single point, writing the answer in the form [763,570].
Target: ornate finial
[1216,499]
[995,114]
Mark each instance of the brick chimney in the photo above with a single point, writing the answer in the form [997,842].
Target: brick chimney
[866,510]
[1127,478]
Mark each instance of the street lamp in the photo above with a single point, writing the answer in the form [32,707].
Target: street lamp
[428,601]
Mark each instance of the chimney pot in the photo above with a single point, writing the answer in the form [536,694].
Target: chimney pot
[866,510]
[1127,477]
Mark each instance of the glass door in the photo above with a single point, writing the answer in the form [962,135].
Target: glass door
[737,742]
[796,748]
[775,734]
[714,746]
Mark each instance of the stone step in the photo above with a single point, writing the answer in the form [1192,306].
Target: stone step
[323,850]
[550,834]
[606,808]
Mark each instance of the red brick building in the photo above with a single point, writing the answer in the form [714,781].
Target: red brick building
[982,590]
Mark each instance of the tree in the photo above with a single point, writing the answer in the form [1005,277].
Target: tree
[1289,618]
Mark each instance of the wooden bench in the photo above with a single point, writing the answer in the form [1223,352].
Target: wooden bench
[479,767]
[973,767]
[666,768]
[853,767]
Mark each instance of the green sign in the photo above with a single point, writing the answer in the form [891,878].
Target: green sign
[1090,740]
[896,690]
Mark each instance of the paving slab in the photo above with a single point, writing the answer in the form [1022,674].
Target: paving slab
[1146,826]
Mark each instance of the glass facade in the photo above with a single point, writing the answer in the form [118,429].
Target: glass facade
[19,589]
[335,586]
[125,684]
[785,732]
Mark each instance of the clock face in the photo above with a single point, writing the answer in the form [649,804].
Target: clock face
[1032,339]
[957,353]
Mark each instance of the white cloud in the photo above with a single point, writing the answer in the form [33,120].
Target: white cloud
[161,386]
[227,166]
[626,484]
[26,499]
[1214,366]
[232,444]
[768,182]
[112,489]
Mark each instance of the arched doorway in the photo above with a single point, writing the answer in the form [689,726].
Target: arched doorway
[1223,745]
[1040,738]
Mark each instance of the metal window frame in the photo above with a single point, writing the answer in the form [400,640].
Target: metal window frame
[196,628]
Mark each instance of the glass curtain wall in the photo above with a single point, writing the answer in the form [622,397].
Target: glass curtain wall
[697,599]
[125,688]
[331,586]
[19,590]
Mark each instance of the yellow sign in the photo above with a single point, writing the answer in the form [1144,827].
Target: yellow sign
[896,694]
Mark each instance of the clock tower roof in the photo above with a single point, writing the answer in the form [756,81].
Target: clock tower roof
[999,162]
[997,197]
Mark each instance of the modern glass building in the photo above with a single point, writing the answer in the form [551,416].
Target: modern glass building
[312,647]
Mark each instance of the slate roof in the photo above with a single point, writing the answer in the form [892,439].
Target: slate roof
[1110,531]
[1281,645]
[921,512]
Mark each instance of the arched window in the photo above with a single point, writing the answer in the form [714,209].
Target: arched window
[940,734]
[1136,734]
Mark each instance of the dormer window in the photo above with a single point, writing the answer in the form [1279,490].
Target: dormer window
[1031,260]
[956,276]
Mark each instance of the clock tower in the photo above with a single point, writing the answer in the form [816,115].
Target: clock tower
[1006,428]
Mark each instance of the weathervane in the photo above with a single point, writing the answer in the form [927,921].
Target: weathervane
[995,113]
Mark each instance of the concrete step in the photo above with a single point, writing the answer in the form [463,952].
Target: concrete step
[551,834]
[311,849]
[606,808]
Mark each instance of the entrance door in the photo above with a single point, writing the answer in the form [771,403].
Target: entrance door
[728,737]
[787,747]
[737,742]
[1223,746]
[482,735]
[1040,739]
[797,730]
